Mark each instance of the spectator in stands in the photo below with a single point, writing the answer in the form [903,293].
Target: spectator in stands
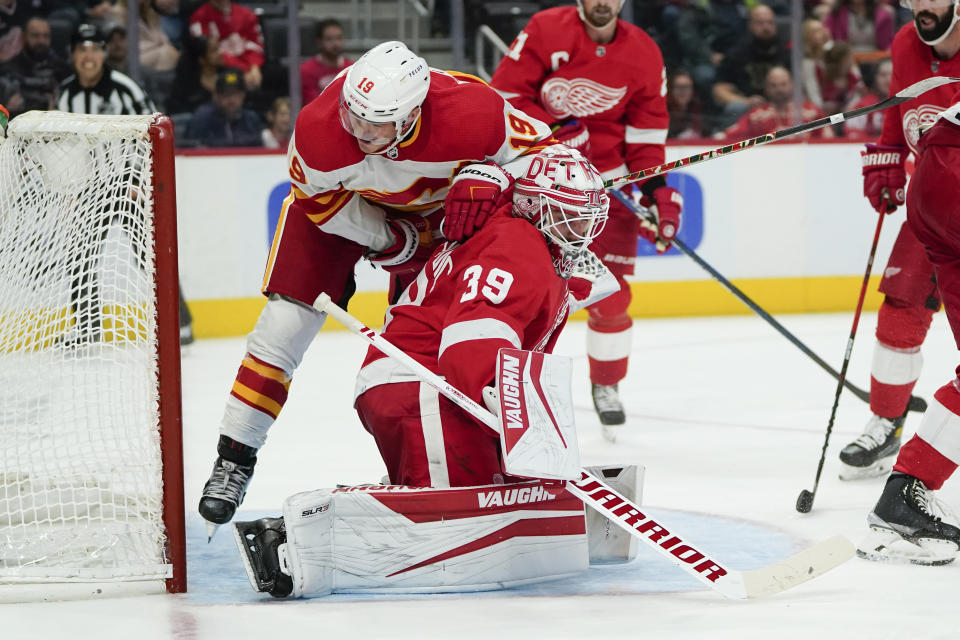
[196,74]
[158,56]
[815,38]
[37,68]
[729,24]
[686,39]
[741,76]
[277,134]
[10,93]
[839,84]
[868,127]
[171,21]
[116,46]
[320,70]
[103,12]
[867,25]
[683,105]
[13,15]
[777,113]
[240,38]
[157,53]
[224,121]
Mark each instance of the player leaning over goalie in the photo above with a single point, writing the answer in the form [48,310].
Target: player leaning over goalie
[505,287]
[385,152]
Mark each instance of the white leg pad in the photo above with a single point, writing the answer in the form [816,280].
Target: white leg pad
[609,544]
[403,539]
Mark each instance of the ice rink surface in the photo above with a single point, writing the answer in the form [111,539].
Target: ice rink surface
[727,417]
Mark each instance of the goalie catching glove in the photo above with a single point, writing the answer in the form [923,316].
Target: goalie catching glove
[476,192]
[665,204]
[884,176]
[413,244]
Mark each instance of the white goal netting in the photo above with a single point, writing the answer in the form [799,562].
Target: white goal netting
[81,491]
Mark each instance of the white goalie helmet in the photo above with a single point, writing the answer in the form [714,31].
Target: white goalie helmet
[563,194]
[386,85]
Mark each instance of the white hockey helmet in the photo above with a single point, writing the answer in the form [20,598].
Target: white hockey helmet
[944,26]
[385,86]
[600,26]
[563,194]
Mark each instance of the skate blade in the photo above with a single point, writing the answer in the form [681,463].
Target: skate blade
[245,552]
[610,432]
[881,467]
[886,545]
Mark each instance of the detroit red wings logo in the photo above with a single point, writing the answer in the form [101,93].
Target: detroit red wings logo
[579,97]
[921,116]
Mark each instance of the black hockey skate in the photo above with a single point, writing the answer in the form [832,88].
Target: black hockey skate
[259,542]
[873,453]
[228,483]
[903,527]
[606,400]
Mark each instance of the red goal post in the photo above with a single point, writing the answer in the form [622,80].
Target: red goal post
[91,470]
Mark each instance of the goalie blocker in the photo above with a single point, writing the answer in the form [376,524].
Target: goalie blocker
[406,539]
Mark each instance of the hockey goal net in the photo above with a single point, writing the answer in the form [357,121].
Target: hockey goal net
[91,489]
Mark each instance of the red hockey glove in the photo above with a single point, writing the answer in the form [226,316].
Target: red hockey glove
[884,177]
[573,134]
[666,205]
[413,244]
[474,194]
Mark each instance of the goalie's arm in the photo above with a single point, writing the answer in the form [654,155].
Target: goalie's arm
[491,308]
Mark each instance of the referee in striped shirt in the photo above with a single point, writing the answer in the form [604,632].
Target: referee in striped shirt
[95,88]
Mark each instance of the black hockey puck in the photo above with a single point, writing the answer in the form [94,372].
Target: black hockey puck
[805,501]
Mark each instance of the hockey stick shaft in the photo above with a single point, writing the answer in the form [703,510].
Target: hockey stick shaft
[902,96]
[623,512]
[846,355]
[915,404]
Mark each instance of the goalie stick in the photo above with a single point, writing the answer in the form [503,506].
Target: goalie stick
[909,93]
[916,403]
[731,583]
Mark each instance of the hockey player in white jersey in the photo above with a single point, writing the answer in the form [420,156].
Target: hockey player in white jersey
[387,152]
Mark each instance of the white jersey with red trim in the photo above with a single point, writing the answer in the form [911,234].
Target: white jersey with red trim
[554,71]
[498,289]
[347,193]
[914,60]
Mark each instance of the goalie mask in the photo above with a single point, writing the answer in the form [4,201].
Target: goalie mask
[924,10]
[563,195]
[381,96]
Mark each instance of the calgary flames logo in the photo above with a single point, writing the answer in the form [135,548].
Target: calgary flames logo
[579,97]
[921,116]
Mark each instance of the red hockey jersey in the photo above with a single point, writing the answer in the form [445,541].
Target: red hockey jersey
[766,118]
[498,289]
[241,40]
[913,60]
[554,71]
[347,192]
